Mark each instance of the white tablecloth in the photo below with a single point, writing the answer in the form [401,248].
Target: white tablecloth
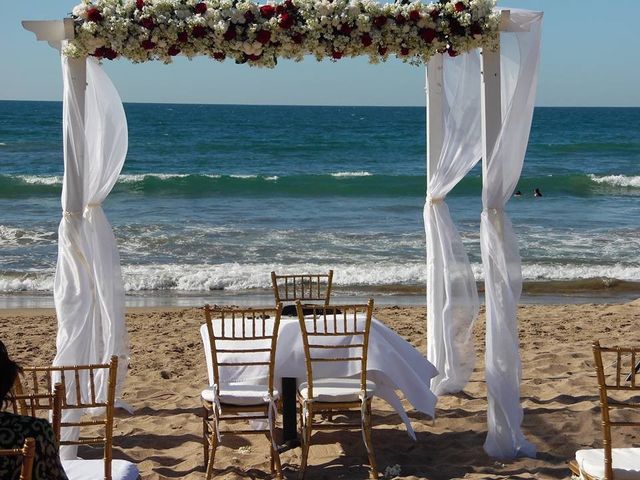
[392,363]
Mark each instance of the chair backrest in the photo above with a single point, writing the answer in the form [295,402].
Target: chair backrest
[336,333]
[306,287]
[73,378]
[617,368]
[28,454]
[243,337]
[29,403]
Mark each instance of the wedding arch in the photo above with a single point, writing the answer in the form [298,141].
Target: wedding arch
[481,77]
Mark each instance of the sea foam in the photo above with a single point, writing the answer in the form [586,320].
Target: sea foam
[238,277]
[618,180]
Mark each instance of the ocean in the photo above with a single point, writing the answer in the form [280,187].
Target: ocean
[212,198]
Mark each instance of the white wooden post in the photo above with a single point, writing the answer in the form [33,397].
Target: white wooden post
[74,169]
[435,113]
[435,140]
[491,105]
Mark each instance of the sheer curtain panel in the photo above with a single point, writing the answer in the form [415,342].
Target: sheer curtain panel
[452,298]
[88,290]
[519,59]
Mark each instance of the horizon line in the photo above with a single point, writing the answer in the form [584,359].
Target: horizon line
[307,104]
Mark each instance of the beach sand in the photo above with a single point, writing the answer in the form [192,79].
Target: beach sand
[168,371]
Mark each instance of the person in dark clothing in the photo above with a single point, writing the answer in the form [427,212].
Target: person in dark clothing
[15,428]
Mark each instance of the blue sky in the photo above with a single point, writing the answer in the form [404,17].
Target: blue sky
[591,57]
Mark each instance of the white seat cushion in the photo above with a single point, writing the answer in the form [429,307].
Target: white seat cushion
[240,394]
[94,469]
[336,389]
[626,463]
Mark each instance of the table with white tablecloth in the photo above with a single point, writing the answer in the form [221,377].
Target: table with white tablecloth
[393,364]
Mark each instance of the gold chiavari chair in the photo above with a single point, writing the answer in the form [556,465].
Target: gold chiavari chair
[241,339]
[287,289]
[30,403]
[94,430]
[619,407]
[335,334]
[28,454]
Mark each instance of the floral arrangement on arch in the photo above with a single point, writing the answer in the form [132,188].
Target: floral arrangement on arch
[259,34]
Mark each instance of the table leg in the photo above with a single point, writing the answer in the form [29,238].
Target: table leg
[289,417]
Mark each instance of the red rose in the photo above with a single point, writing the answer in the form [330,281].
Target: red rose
[199,31]
[404,51]
[456,28]
[139,4]
[366,39]
[414,15]
[219,55]
[105,52]
[254,57]
[434,13]
[263,36]
[382,50]
[110,54]
[380,21]
[427,34]
[476,29]
[230,34]
[336,55]
[249,16]
[345,29]
[452,52]
[94,15]
[286,21]
[297,38]
[183,37]
[267,11]
[289,5]
[148,44]
[200,8]
[459,6]
[173,50]
[147,23]
[400,19]
[279,9]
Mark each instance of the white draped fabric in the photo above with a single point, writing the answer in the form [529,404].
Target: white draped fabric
[520,55]
[452,297]
[88,289]
[393,364]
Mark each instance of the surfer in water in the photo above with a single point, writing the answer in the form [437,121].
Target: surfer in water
[537,193]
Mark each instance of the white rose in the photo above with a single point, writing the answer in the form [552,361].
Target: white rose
[80,11]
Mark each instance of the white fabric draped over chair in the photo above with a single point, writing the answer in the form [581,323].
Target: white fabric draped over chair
[452,302]
[520,56]
[88,289]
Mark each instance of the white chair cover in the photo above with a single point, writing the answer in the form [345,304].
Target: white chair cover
[452,297]
[520,55]
[88,289]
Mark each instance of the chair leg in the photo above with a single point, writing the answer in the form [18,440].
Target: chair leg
[205,435]
[213,441]
[369,445]
[276,466]
[306,441]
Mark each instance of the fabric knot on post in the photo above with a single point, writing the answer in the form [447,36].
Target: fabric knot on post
[68,215]
[431,201]
[494,211]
